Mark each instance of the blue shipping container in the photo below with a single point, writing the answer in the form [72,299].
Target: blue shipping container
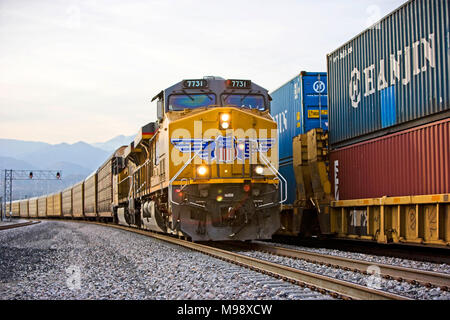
[298,106]
[393,76]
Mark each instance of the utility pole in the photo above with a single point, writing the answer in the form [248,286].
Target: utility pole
[11,175]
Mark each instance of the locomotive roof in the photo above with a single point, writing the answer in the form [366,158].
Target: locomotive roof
[214,83]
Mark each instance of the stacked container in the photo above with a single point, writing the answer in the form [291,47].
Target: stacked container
[389,106]
[410,162]
[298,106]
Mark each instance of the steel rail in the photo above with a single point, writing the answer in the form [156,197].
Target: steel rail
[427,278]
[17,225]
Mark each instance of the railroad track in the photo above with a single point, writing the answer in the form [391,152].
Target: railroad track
[421,253]
[326,285]
[17,225]
[323,284]
[391,272]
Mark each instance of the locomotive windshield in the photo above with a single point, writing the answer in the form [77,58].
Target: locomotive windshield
[245,101]
[215,92]
[190,101]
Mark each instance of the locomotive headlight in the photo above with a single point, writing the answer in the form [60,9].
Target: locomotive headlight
[225,117]
[225,121]
[202,170]
[224,125]
[259,170]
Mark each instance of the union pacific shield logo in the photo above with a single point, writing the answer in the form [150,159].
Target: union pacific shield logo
[223,149]
[226,150]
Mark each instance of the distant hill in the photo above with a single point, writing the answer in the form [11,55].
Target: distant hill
[71,174]
[68,168]
[76,161]
[79,153]
[15,164]
[14,148]
[114,143]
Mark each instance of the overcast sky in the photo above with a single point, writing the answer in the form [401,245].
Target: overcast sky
[86,70]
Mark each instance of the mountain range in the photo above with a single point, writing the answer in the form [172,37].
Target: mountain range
[114,143]
[75,162]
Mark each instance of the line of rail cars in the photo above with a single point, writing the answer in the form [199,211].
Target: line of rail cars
[382,170]
[206,170]
[90,198]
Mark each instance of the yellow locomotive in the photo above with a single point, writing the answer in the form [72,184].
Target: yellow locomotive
[207,169]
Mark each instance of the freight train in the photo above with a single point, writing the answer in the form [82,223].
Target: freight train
[363,150]
[206,170]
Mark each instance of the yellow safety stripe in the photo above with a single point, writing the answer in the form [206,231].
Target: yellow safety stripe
[431,198]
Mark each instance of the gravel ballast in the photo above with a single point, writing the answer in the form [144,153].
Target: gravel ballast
[414,291]
[407,263]
[68,260]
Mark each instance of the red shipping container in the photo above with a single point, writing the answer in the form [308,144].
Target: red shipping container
[410,162]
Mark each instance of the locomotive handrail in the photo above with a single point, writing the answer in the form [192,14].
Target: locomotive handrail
[283,184]
[278,174]
[178,173]
[126,178]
